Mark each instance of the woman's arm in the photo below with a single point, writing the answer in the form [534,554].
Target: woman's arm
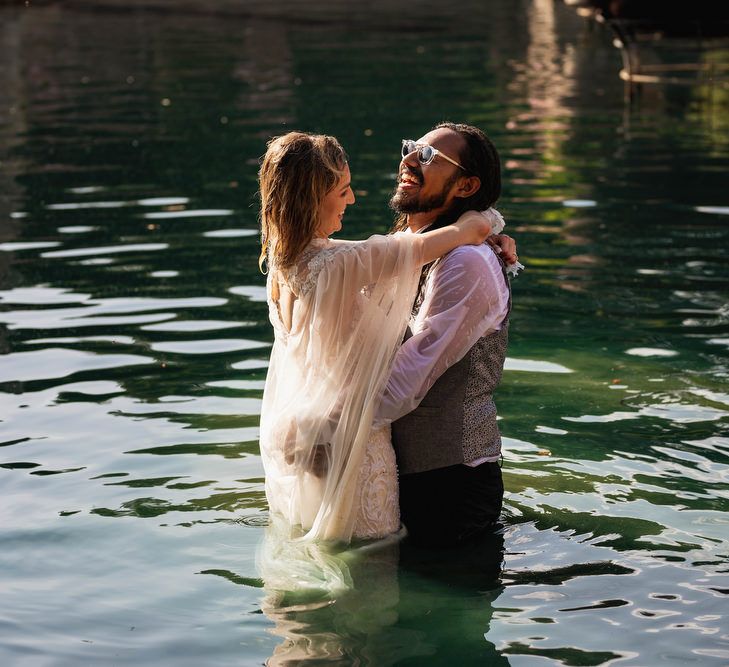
[472,228]
[382,257]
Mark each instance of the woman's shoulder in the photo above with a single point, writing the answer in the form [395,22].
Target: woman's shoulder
[331,256]
[328,245]
[320,250]
[374,242]
[318,255]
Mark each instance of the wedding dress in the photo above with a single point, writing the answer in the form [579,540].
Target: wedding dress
[339,315]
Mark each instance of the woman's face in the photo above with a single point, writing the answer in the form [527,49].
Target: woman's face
[334,204]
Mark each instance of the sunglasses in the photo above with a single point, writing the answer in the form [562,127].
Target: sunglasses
[426,153]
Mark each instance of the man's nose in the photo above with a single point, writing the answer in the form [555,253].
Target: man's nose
[411,159]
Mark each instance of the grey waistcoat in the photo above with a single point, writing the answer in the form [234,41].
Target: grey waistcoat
[456,420]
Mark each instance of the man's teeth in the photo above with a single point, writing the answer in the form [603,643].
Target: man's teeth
[407,178]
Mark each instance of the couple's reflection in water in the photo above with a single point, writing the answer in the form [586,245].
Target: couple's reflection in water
[381,603]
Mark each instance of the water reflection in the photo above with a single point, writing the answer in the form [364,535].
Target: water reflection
[380,604]
[332,606]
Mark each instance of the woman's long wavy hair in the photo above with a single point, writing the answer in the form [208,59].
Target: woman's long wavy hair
[296,173]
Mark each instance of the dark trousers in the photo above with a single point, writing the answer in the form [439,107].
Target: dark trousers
[452,505]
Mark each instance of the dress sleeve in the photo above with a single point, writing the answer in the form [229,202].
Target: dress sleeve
[375,259]
[326,376]
[466,297]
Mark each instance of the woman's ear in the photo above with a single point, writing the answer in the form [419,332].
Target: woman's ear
[467,186]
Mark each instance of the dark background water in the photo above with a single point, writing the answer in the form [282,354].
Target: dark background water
[134,334]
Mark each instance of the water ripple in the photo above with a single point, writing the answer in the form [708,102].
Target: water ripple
[55,362]
[201,213]
[196,325]
[212,346]
[16,246]
[534,366]
[105,250]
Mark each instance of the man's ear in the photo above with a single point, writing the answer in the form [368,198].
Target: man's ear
[467,186]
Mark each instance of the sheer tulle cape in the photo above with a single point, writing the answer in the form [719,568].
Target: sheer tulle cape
[327,373]
[302,577]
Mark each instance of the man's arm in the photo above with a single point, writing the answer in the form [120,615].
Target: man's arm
[466,297]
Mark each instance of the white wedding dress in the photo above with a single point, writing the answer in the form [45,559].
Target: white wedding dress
[339,315]
[377,506]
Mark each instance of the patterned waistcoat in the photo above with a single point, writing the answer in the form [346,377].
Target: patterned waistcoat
[456,420]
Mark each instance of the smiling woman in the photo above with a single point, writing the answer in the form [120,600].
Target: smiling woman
[334,205]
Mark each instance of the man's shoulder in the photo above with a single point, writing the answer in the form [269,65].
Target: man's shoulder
[471,256]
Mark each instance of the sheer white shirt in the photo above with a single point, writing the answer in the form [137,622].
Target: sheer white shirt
[466,297]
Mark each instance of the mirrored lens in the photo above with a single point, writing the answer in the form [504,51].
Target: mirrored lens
[426,154]
[408,146]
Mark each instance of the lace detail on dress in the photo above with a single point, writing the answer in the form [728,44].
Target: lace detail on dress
[303,275]
[300,277]
[377,503]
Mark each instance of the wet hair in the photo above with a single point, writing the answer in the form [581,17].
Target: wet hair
[296,173]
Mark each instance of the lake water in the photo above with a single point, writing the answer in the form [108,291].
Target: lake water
[134,335]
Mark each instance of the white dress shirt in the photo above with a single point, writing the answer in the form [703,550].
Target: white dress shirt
[466,297]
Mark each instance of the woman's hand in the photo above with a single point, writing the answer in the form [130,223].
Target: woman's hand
[505,247]
[476,225]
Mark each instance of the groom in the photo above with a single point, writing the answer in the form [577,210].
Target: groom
[448,447]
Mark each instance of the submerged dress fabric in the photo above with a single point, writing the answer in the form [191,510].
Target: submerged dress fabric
[327,471]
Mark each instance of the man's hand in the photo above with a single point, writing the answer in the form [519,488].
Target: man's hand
[317,460]
[505,246]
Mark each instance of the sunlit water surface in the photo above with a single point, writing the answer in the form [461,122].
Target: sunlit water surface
[134,337]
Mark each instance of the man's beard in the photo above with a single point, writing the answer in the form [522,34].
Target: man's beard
[400,203]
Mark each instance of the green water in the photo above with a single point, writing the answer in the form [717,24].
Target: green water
[134,335]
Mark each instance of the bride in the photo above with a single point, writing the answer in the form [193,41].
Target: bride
[339,310]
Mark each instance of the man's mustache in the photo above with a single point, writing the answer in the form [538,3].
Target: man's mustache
[417,174]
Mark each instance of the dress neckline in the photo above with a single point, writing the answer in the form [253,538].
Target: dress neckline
[318,242]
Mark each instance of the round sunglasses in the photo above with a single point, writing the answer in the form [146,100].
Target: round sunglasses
[426,153]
